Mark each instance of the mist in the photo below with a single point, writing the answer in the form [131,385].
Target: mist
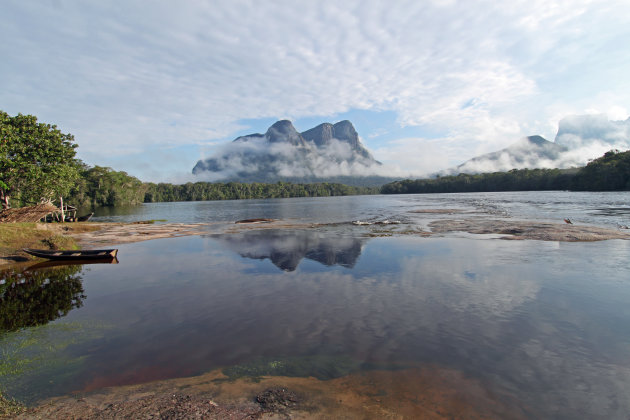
[283,153]
[580,139]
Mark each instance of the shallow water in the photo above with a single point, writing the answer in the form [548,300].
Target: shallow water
[610,209]
[542,327]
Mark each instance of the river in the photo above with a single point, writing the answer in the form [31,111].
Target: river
[542,327]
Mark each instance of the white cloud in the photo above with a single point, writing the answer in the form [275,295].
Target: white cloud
[133,76]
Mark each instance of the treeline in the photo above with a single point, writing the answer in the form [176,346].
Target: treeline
[201,191]
[610,172]
[99,186]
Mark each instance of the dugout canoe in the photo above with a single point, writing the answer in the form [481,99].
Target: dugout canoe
[88,254]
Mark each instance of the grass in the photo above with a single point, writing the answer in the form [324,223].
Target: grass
[15,236]
[9,407]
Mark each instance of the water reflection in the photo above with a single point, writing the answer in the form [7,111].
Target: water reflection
[34,297]
[64,263]
[542,323]
[286,249]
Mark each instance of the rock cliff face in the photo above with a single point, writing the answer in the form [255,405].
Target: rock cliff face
[344,131]
[284,132]
[323,152]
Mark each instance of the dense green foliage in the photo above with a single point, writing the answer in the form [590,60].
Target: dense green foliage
[37,161]
[608,173]
[236,190]
[99,186]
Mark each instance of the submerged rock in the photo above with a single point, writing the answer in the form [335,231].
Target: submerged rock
[277,399]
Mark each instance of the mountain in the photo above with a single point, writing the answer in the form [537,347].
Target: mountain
[529,152]
[328,152]
[580,138]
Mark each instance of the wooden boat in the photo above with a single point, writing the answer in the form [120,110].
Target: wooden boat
[88,254]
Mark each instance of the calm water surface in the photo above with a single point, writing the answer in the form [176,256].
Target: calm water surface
[604,208]
[543,325]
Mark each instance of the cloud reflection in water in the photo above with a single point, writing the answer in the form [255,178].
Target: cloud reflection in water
[532,320]
[285,249]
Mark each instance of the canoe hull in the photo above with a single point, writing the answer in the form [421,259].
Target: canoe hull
[92,254]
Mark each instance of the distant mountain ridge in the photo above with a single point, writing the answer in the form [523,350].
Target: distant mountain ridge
[528,152]
[579,139]
[327,152]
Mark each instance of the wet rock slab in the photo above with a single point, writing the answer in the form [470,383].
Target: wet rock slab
[517,229]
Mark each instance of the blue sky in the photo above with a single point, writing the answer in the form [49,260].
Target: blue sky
[151,87]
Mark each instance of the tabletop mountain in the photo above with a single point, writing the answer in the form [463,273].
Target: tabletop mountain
[326,152]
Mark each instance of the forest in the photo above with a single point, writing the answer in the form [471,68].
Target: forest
[611,172]
[100,186]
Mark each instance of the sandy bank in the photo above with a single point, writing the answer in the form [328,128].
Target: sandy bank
[123,233]
[426,392]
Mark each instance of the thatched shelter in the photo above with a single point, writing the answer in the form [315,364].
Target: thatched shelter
[27,214]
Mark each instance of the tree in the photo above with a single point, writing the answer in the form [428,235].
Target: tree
[100,186]
[37,160]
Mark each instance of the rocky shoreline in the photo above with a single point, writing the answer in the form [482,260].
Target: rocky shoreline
[120,233]
[428,392]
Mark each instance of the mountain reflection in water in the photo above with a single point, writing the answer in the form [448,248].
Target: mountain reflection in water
[286,249]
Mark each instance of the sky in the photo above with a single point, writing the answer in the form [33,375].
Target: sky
[150,87]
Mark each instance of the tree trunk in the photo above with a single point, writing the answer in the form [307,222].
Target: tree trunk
[5,200]
[63,216]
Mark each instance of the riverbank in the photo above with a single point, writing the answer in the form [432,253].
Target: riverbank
[15,236]
[426,392]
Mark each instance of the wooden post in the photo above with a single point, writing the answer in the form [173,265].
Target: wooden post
[63,217]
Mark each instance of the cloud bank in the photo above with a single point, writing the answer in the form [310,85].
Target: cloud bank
[580,138]
[143,80]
